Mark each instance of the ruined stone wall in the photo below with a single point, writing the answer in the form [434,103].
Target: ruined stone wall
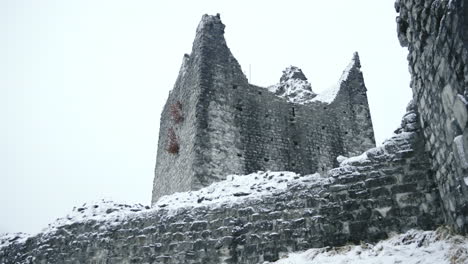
[239,128]
[387,189]
[352,109]
[173,170]
[178,171]
[435,32]
[277,135]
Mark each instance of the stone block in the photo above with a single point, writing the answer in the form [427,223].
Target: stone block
[199,226]
[460,111]
[380,191]
[382,181]
[460,148]
[404,188]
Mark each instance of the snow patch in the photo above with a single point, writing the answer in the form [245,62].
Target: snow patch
[341,158]
[236,188]
[293,86]
[330,94]
[355,160]
[12,238]
[412,247]
[99,210]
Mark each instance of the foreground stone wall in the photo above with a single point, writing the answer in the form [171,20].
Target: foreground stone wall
[436,34]
[387,189]
[233,127]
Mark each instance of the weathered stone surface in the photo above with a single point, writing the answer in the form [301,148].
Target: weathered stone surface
[436,34]
[416,179]
[358,202]
[232,127]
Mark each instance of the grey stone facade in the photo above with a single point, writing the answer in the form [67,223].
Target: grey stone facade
[233,127]
[416,179]
[436,34]
[364,199]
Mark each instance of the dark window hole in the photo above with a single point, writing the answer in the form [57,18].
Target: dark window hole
[346,133]
[239,108]
[296,143]
[239,155]
[323,127]
[325,108]
[234,87]
[293,112]
[344,112]
[260,93]
[266,159]
[291,119]
[293,164]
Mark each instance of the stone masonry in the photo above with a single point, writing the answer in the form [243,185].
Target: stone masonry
[436,34]
[416,179]
[224,125]
[386,189]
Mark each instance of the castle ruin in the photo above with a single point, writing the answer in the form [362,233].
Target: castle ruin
[417,179]
[221,125]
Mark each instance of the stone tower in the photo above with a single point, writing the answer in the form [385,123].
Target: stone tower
[215,123]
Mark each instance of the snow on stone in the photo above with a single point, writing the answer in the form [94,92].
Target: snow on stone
[412,247]
[399,142]
[10,238]
[236,188]
[101,210]
[353,160]
[293,86]
[341,158]
[330,94]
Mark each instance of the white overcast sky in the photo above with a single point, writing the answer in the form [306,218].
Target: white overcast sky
[82,85]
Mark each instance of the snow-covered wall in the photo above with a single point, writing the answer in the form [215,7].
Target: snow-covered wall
[436,34]
[253,218]
[416,179]
[233,127]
